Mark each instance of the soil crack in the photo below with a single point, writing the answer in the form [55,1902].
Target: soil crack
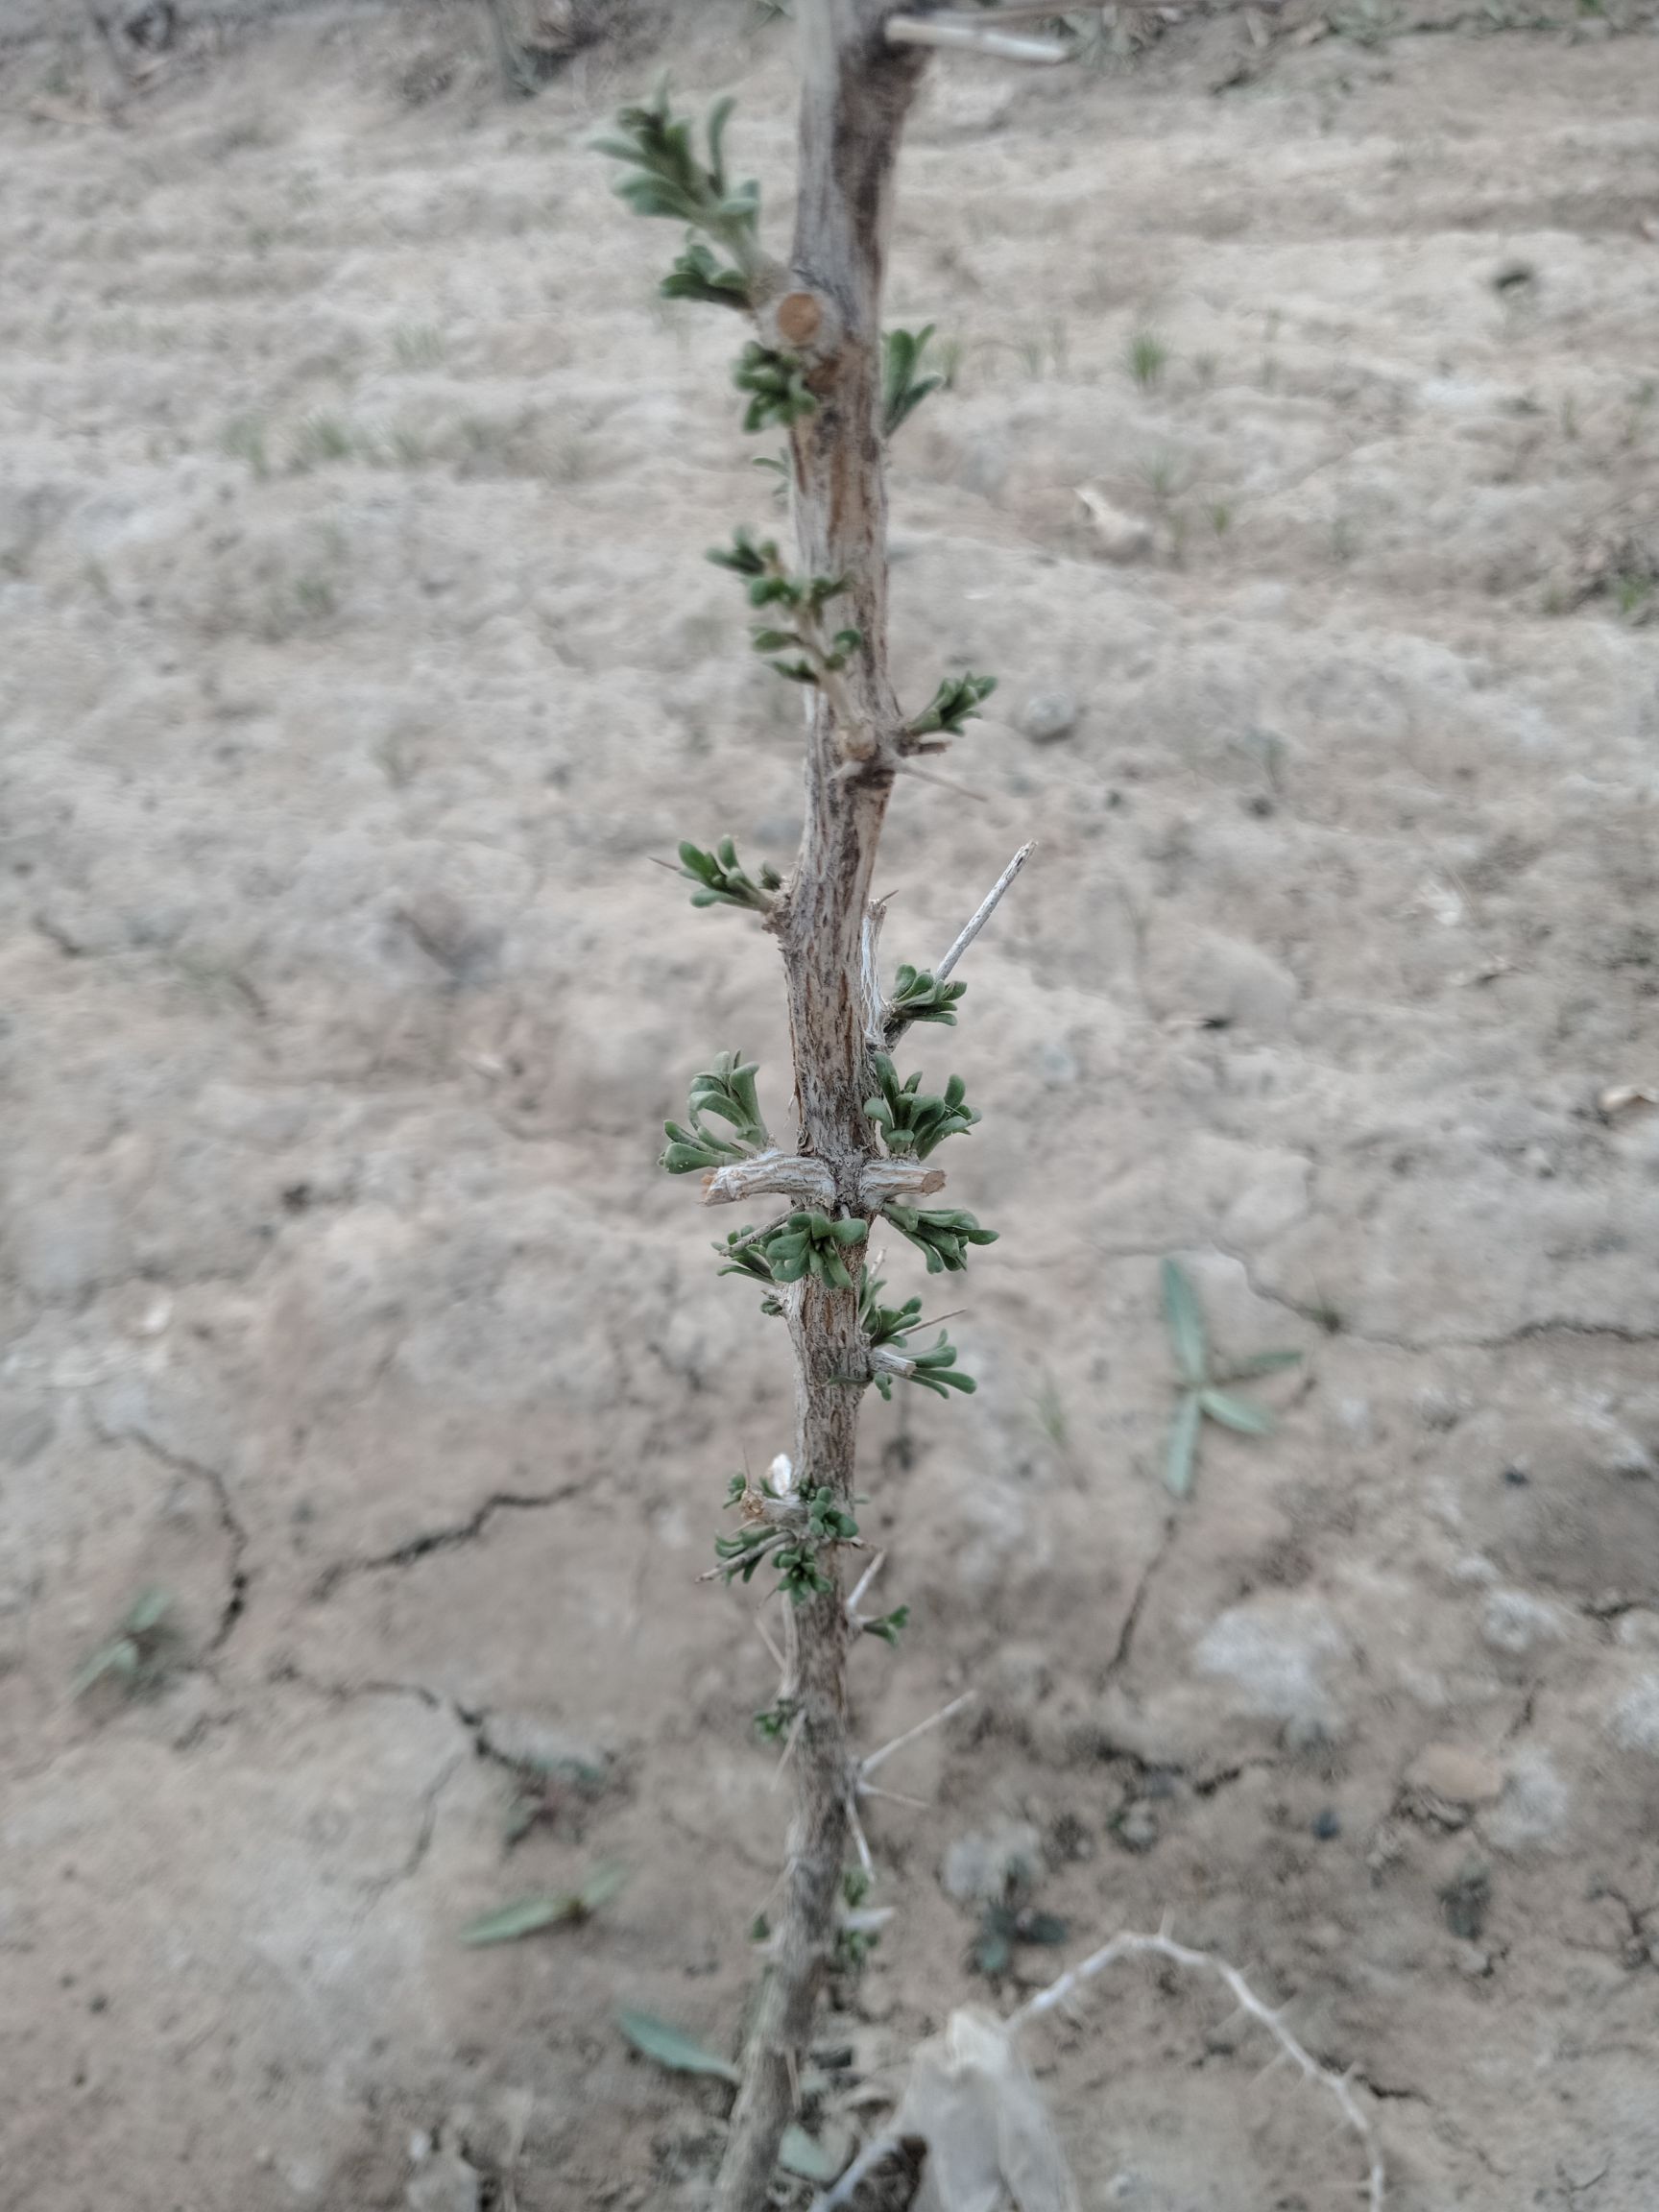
[236,1537]
[445,1539]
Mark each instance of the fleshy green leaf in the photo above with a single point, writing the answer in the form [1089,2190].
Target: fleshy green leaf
[1182,1444]
[1186,1318]
[671,2047]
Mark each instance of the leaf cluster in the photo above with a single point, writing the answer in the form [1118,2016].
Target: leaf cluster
[743,1254]
[720,879]
[891,1327]
[914,1122]
[904,384]
[770,585]
[775,383]
[808,1244]
[957,700]
[669,177]
[791,1538]
[917,996]
[726,1091]
[940,1233]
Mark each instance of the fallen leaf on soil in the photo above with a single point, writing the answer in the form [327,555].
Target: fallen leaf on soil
[672,2047]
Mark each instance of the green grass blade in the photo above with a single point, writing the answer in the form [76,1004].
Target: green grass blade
[528,1916]
[1186,1318]
[1183,1446]
[1237,1414]
[1264,1363]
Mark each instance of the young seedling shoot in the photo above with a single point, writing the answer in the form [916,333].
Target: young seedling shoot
[818,369]
[1201,1397]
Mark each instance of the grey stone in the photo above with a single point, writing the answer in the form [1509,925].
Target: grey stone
[1048,716]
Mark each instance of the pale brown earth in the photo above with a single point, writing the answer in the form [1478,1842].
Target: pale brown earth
[357,656]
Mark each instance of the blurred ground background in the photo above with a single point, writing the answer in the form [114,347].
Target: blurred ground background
[356,654]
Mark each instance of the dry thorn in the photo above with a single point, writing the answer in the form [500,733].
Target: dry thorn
[862,1585]
[867,1767]
[965,34]
[860,1843]
[987,907]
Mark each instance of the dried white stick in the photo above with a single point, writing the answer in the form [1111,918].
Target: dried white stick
[987,907]
[879,1758]
[1164,1946]
[919,31]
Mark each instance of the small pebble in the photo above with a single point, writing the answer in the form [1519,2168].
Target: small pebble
[1048,716]
[1327,1825]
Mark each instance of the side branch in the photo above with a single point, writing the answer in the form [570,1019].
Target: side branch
[882,1181]
[788,1175]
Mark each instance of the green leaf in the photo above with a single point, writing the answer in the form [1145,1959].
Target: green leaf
[527,1917]
[1264,1363]
[1237,1414]
[671,2047]
[147,1612]
[119,1656]
[798,2153]
[1186,1318]
[1182,1444]
[530,1915]
[606,1882]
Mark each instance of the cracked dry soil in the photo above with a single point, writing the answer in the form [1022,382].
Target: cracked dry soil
[357,653]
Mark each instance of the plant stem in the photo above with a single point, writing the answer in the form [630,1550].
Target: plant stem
[854,94]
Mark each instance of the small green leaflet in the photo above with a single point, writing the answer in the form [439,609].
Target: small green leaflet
[1182,1444]
[1236,1413]
[530,1915]
[671,2047]
[1186,1319]
[1263,1363]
